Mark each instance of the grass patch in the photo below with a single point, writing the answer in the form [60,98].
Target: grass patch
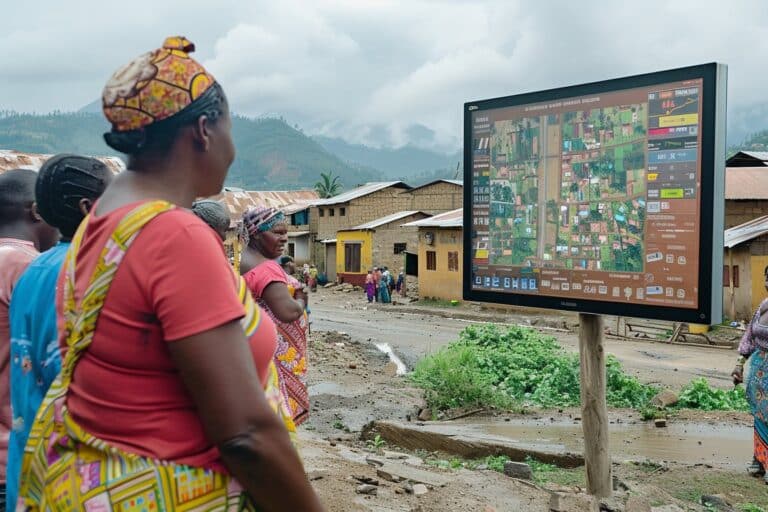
[688,484]
[542,473]
[514,367]
[439,303]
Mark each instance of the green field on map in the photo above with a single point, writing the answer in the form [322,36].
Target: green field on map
[568,190]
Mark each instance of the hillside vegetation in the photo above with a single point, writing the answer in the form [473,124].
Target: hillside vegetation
[270,153]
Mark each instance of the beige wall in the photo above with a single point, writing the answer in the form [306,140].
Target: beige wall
[739,212]
[437,198]
[440,283]
[385,238]
[358,211]
[737,302]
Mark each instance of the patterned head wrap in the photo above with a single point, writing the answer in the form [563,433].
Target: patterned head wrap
[262,218]
[155,86]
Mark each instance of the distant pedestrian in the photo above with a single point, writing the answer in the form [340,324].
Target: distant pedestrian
[401,284]
[313,278]
[384,296]
[377,282]
[754,348]
[370,286]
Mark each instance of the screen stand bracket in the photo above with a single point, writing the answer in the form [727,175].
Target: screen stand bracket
[593,405]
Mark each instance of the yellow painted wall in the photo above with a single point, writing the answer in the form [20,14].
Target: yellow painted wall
[365,238]
[440,283]
[758,264]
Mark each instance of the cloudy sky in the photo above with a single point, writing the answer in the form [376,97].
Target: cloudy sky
[377,71]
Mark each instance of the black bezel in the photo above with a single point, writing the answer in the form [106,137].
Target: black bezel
[703,314]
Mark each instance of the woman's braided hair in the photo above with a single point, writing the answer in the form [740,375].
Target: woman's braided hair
[62,183]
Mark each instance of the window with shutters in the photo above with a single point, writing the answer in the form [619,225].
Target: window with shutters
[352,258]
[431,260]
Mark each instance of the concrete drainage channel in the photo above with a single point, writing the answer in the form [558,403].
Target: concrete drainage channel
[386,349]
[561,443]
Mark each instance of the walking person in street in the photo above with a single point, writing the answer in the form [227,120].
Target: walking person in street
[401,284]
[66,188]
[754,349]
[370,287]
[269,285]
[22,234]
[160,335]
[313,278]
[377,283]
[384,296]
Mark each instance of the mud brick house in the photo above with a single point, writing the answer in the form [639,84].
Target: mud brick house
[746,235]
[371,202]
[435,197]
[440,255]
[382,242]
[347,210]
[298,232]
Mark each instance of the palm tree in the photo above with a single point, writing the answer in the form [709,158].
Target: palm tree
[328,186]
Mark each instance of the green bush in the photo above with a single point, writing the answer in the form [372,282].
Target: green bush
[700,395]
[454,377]
[490,366]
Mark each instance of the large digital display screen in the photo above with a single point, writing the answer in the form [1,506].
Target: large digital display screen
[604,197]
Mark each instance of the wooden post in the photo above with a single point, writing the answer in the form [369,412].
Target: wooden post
[730,284]
[594,417]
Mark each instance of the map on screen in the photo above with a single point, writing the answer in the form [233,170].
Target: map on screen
[590,197]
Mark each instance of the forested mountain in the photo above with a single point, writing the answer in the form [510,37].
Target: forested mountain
[270,153]
[394,163]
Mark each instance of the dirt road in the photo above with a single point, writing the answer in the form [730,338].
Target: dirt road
[352,383]
[414,335]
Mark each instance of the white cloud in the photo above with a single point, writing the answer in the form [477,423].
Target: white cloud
[369,69]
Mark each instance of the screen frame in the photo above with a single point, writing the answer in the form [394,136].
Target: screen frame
[712,205]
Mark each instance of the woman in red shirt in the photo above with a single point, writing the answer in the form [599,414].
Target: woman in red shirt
[269,285]
[161,404]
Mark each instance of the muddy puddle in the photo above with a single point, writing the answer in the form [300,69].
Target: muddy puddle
[685,443]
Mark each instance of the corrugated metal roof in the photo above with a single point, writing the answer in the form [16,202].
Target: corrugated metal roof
[295,208]
[368,188]
[452,182]
[760,155]
[10,159]
[238,200]
[384,220]
[282,198]
[745,232]
[746,183]
[747,159]
[452,219]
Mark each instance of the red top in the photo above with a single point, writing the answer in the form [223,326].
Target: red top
[174,282]
[263,275]
[15,257]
